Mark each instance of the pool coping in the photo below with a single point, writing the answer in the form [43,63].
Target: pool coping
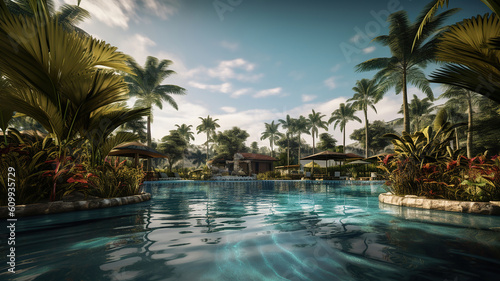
[483,208]
[69,206]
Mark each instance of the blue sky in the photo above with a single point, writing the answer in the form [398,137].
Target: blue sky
[246,62]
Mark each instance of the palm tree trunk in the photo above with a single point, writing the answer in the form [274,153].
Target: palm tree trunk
[271,145]
[288,150]
[149,142]
[343,147]
[405,105]
[469,127]
[366,134]
[298,160]
[457,144]
[207,150]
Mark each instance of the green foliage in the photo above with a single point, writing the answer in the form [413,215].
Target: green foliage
[230,142]
[327,142]
[269,175]
[376,131]
[29,162]
[173,146]
[112,180]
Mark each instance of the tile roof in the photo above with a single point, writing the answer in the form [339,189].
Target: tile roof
[255,156]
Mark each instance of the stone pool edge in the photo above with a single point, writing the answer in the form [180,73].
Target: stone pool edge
[483,208]
[65,206]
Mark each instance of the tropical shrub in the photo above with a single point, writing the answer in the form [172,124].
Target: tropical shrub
[425,165]
[109,180]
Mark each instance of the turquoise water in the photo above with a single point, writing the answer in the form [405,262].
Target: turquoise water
[256,231]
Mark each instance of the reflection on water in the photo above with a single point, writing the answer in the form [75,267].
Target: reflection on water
[267,230]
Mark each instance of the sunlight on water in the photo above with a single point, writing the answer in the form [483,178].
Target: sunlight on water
[266,230]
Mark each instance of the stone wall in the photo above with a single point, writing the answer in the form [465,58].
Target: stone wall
[485,208]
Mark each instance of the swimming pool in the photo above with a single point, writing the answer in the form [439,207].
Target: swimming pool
[258,230]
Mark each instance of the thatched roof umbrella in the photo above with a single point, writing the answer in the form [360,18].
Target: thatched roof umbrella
[136,150]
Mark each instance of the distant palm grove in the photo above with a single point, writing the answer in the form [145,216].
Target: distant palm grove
[65,106]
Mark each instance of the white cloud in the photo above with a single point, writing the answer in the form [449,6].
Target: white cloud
[336,67]
[118,13]
[355,38]
[331,83]
[228,109]
[238,69]
[137,45]
[223,88]
[308,98]
[232,46]
[240,92]
[268,92]
[368,50]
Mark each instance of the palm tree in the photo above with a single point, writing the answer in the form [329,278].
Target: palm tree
[419,110]
[69,16]
[471,50]
[407,60]
[432,7]
[316,123]
[463,97]
[144,84]
[138,127]
[208,125]
[455,113]
[198,158]
[185,132]
[272,134]
[288,124]
[65,82]
[341,116]
[366,94]
[301,127]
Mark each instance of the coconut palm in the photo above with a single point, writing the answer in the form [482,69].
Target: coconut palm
[272,134]
[419,109]
[145,85]
[455,114]
[208,126]
[406,63]
[467,99]
[185,132]
[302,126]
[341,116]
[197,158]
[366,94]
[69,16]
[288,124]
[473,59]
[67,83]
[316,122]
[432,7]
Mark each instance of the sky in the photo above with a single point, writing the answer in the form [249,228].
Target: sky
[249,62]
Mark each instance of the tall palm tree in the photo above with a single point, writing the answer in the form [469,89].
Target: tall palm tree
[407,60]
[288,124]
[341,116]
[455,114]
[65,82]
[366,94]
[272,134]
[419,109]
[185,132]
[468,98]
[145,85]
[316,122]
[302,126]
[471,50]
[208,126]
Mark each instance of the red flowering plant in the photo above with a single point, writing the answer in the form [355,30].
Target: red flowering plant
[481,178]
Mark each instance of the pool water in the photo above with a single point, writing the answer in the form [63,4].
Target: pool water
[258,230]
